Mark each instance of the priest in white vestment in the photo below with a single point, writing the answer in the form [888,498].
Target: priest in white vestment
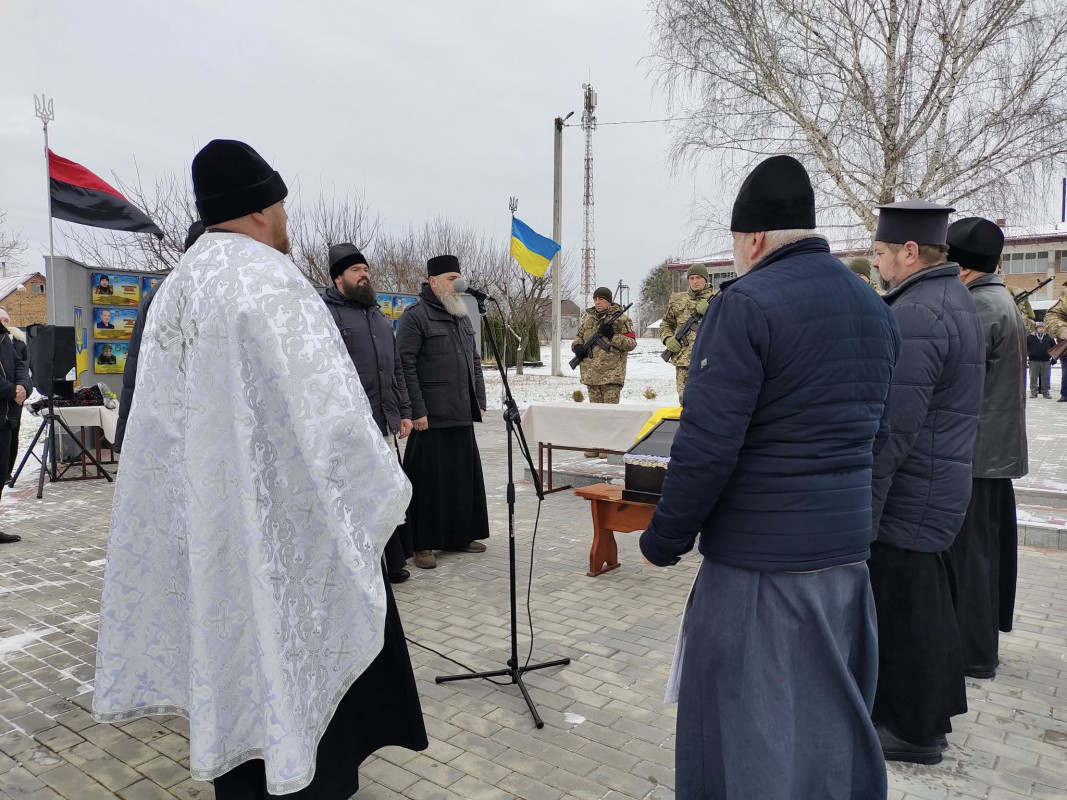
[244,585]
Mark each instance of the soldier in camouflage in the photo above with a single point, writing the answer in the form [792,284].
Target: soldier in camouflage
[1024,307]
[862,267]
[679,309]
[1056,325]
[604,371]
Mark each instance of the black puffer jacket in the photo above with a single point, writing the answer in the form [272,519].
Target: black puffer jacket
[922,475]
[441,366]
[368,337]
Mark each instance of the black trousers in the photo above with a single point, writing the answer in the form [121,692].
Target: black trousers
[9,442]
[986,555]
[921,685]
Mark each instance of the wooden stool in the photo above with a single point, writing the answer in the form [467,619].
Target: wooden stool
[611,513]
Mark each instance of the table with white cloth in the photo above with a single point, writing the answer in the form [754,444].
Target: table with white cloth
[603,427]
[90,417]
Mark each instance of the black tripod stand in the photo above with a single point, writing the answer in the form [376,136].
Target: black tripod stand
[48,461]
[514,426]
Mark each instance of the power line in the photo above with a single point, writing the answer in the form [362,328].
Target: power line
[647,121]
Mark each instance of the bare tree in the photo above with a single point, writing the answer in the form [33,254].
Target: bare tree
[12,246]
[315,227]
[168,202]
[959,101]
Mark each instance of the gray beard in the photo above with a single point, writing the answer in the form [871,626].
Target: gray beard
[454,305]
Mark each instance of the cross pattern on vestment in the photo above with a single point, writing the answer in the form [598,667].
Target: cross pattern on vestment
[215,336]
[167,651]
[224,619]
[220,481]
[174,592]
[335,463]
[182,332]
[276,580]
[339,652]
[326,391]
[307,510]
[328,584]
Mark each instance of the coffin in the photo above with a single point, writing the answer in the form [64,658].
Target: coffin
[646,463]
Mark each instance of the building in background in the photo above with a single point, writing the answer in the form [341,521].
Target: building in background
[26,298]
[1029,257]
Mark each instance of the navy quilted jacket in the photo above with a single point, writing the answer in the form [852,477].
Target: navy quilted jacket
[787,385]
[922,477]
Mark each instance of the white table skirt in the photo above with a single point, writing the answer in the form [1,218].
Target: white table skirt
[581,425]
[91,417]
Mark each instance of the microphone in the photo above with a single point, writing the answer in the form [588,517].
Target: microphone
[461,286]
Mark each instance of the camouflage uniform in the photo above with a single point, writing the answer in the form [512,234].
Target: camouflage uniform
[1025,309]
[679,309]
[1056,317]
[604,371]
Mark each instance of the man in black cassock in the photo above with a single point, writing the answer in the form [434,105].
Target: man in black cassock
[444,380]
[985,550]
[922,482]
[368,337]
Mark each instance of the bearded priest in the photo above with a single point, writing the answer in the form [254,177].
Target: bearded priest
[244,587]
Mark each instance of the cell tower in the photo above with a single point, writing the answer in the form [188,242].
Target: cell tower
[588,249]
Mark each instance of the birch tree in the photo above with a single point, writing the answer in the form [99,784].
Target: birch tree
[962,102]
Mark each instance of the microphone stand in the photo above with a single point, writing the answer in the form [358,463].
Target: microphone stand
[514,425]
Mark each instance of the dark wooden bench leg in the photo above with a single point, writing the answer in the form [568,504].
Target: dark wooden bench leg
[604,554]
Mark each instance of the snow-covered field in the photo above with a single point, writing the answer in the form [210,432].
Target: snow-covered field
[644,370]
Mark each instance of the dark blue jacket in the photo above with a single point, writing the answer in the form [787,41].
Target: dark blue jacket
[368,337]
[922,477]
[786,393]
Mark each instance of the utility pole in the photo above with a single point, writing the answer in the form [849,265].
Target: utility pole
[588,247]
[557,234]
[45,113]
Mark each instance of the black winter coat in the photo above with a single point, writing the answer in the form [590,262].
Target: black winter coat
[13,372]
[922,475]
[441,367]
[1000,446]
[1037,347]
[368,337]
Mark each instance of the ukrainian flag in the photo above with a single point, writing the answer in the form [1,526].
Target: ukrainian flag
[533,251]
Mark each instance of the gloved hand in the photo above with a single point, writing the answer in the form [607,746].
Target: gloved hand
[576,348]
[607,329]
[672,344]
[702,307]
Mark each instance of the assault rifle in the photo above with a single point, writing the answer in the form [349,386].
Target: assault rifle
[682,334]
[584,350]
[1023,297]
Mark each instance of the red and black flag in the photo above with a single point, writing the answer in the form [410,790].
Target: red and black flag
[80,196]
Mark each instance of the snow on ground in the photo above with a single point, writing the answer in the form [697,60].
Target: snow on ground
[644,370]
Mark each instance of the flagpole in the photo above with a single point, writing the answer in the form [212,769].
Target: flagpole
[46,114]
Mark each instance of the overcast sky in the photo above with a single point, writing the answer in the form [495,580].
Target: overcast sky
[428,107]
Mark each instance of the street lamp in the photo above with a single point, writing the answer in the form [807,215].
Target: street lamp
[557,233]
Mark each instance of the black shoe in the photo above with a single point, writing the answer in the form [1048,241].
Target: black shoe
[942,742]
[1047,396]
[896,749]
[1062,399]
[9,538]
[399,577]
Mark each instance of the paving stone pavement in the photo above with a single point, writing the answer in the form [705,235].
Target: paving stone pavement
[607,733]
